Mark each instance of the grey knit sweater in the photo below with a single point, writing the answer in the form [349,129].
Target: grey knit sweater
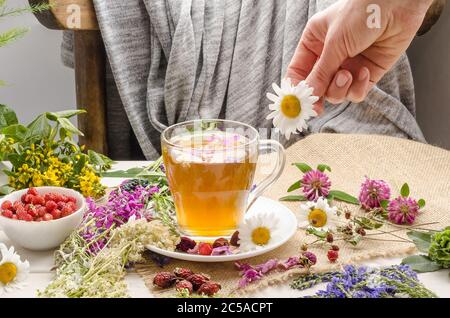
[176,60]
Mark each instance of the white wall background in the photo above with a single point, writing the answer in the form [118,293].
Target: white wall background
[36,79]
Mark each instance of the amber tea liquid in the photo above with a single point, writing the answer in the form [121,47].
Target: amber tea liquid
[210,176]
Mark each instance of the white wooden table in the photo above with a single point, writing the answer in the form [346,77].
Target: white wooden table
[42,262]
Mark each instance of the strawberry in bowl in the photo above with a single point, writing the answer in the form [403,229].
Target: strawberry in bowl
[41,218]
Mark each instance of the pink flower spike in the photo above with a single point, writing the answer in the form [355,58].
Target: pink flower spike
[373,192]
[316,184]
[403,210]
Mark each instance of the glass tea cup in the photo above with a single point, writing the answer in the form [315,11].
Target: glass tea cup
[210,166]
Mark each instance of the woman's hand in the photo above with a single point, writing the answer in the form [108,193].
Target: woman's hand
[346,49]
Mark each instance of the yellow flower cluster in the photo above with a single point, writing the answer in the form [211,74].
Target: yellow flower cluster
[44,168]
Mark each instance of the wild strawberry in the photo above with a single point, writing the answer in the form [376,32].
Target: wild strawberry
[204,249]
[63,198]
[17,205]
[235,239]
[38,200]
[56,214]
[186,244]
[28,218]
[38,219]
[22,198]
[32,191]
[184,284]
[50,197]
[41,211]
[72,199]
[164,279]
[182,272]
[61,205]
[6,205]
[332,256]
[14,217]
[72,206]
[28,198]
[209,289]
[50,205]
[220,242]
[21,214]
[8,214]
[66,211]
[198,280]
[47,217]
[32,211]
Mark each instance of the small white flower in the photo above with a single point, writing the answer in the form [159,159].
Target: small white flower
[318,215]
[258,231]
[13,272]
[292,107]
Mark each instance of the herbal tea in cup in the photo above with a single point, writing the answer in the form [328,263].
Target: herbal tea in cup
[210,166]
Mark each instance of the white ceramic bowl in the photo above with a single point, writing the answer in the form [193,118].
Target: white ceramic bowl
[44,235]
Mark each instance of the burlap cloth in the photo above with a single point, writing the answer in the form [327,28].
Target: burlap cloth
[425,168]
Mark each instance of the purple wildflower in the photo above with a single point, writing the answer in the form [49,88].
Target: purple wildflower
[308,259]
[248,277]
[373,192]
[223,250]
[291,262]
[403,210]
[316,184]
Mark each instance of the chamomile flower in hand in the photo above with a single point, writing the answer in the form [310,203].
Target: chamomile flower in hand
[258,231]
[292,107]
[13,272]
[318,215]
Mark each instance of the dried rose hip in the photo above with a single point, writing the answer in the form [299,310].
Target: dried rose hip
[235,239]
[198,280]
[186,244]
[184,284]
[204,249]
[332,256]
[164,279]
[209,289]
[220,242]
[183,272]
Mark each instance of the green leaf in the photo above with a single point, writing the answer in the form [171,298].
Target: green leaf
[67,125]
[65,114]
[405,190]
[318,233]
[344,197]
[421,203]
[39,127]
[384,204]
[303,167]
[130,173]
[80,164]
[7,116]
[323,168]
[422,240]
[6,189]
[293,198]
[16,131]
[100,161]
[295,186]
[421,264]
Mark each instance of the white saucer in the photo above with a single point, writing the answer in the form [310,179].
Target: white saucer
[288,227]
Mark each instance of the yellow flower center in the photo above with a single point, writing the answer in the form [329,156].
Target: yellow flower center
[261,236]
[291,106]
[8,272]
[317,218]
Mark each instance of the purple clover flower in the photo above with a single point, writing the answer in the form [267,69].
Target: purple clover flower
[373,192]
[316,184]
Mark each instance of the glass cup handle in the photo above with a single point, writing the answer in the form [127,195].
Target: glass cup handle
[273,146]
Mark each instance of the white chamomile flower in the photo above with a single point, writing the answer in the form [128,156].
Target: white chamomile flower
[13,272]
[258,231]
[292,107]
[318,215]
